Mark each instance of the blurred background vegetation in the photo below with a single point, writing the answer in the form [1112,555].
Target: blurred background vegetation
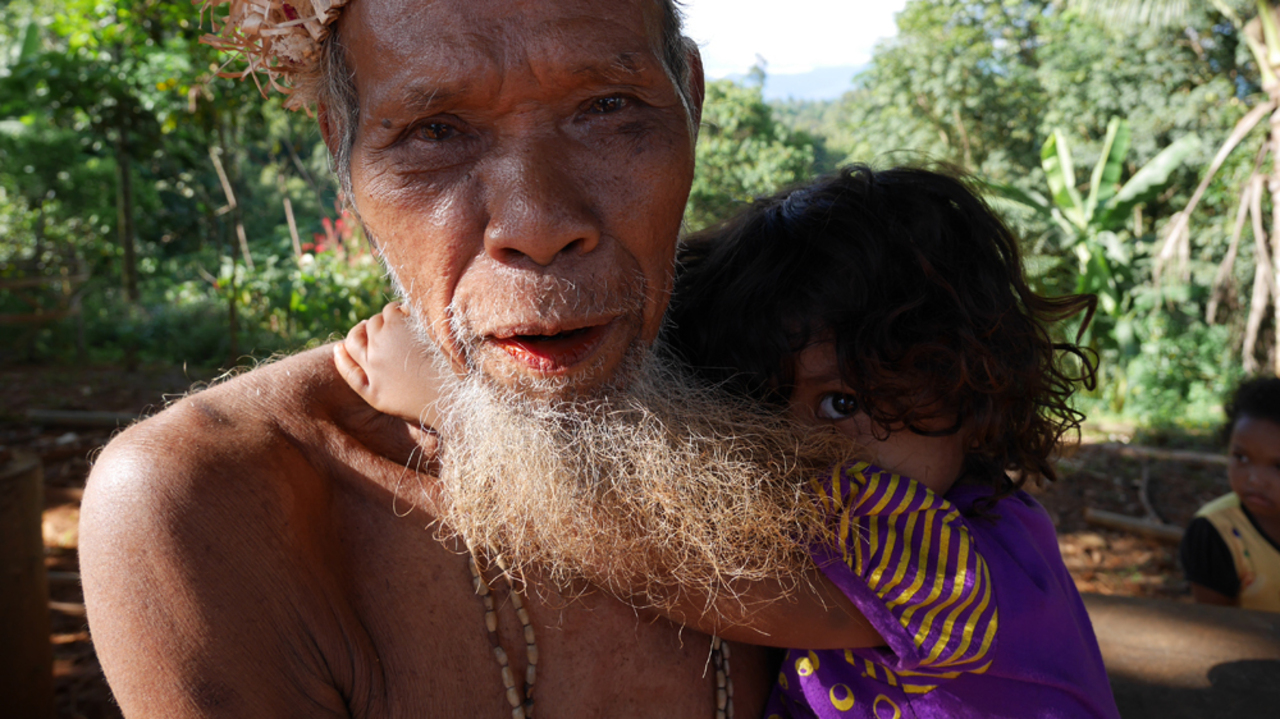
[153,212]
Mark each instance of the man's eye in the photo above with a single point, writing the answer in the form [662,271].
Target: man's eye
[607,105]
[837,405]
[436,131]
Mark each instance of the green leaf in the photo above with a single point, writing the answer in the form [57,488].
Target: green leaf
[1270,33]
[28,46]
[1106,174]
[1059,169]
[30,41]
[1026,198]
[1147,181]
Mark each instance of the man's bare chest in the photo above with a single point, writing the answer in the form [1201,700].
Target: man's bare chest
[417,644]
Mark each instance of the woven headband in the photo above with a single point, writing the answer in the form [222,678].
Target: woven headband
[279,40]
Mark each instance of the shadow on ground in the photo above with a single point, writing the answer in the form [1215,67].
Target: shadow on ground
[1237,690]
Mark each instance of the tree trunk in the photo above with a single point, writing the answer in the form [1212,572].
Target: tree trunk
[124,210]
[39,230]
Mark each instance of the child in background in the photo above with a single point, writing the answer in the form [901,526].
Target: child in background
[889,306]
[1231,551]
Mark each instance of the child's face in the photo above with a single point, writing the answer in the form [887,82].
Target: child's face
[822,398]
[1254,465]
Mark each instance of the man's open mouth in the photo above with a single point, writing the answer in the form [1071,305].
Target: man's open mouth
[551,353]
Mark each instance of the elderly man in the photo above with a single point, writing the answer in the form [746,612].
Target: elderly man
[265,548]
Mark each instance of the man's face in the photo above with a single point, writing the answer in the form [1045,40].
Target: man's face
[523,167]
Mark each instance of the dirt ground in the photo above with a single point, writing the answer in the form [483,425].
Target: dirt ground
[1097,475]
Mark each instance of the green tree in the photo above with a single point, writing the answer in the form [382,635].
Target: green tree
[111,117]
[1261,34]
[1097,228]
[742,152]
[958,83]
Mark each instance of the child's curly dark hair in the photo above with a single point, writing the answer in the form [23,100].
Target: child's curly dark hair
[920,287]
[1258,398]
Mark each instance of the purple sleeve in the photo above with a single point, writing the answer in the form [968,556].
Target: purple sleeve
[905,558]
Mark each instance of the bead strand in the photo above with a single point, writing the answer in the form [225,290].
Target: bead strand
[522,706]
[530,645]
[521,703]
[724,684]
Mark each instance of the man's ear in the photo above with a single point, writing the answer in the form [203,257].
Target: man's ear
[697,83]
[327,131]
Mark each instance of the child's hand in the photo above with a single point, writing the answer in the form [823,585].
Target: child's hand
[382,361]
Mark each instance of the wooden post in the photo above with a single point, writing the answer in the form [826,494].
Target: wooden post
[26,660]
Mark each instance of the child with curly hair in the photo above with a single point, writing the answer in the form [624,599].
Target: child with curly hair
[889,306]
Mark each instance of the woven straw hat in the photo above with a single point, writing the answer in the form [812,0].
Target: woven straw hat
[278,40]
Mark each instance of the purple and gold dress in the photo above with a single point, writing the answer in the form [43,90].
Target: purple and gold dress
[979,615]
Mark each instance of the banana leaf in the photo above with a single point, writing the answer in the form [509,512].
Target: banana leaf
[1147,181]
[1036,202]
[1059,169]
[1106,174]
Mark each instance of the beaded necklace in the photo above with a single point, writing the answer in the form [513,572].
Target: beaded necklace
[522,701]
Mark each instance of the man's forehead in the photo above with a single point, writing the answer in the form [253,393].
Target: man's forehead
[581,35]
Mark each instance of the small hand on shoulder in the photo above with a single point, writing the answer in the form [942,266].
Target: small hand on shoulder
[390,368]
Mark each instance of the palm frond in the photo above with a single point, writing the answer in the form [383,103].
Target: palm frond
[1135,13]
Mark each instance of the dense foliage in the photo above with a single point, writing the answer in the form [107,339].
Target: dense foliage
[124,158]
[990,84]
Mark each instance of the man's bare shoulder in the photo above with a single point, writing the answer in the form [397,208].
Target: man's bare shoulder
[225,444]
[291,424]
[257,455]
[200,532]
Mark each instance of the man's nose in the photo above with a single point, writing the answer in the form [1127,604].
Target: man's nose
[538,208]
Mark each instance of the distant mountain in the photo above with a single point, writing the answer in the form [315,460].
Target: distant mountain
[824,83]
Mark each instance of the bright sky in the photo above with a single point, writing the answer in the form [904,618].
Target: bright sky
[792,35]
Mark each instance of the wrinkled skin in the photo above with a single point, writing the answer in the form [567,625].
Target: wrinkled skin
[535,150]
[260,549]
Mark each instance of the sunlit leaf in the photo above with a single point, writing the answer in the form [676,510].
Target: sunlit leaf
[1059,169]
[1106,174]
[1149,179]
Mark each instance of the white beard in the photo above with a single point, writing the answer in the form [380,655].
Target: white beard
[652,486]
[658,489]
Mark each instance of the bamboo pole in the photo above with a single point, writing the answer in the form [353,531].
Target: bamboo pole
[26,656]
[232,206]
[288,216]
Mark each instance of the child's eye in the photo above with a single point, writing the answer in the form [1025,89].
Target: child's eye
[837,405]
